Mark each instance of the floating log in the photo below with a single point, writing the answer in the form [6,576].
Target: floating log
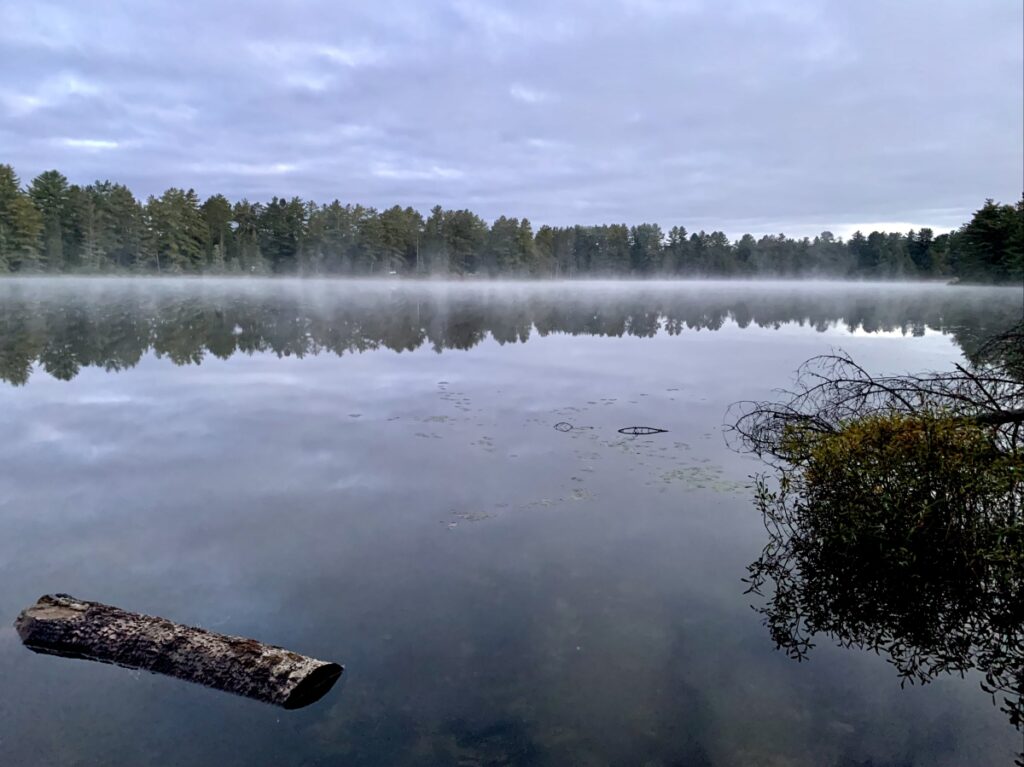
[639,430]
[74,628]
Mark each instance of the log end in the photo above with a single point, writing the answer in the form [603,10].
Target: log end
[316,684]
[49,608]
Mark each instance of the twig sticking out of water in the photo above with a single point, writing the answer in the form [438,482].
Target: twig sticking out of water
[565,426]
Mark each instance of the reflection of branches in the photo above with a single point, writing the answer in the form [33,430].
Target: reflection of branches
[1004,352]
[895,516]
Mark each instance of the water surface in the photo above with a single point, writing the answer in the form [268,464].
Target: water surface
[369,472]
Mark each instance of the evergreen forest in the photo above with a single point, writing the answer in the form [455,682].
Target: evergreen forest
[49,225]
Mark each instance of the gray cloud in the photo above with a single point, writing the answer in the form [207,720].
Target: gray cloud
[764,115]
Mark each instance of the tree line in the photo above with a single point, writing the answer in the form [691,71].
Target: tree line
[51,225]
[63,328]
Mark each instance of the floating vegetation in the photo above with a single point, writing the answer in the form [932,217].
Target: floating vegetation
[703,478]
[469,516]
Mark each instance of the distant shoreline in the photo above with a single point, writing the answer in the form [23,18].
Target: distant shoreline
[53,226]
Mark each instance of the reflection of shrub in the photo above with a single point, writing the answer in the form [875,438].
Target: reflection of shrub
[903,534]
[895,515]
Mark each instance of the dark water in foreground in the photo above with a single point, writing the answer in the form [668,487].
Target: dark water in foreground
[369,473]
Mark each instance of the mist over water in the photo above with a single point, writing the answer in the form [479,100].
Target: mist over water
[369,472]
[65,324]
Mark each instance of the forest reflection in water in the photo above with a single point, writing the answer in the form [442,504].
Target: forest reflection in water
[63,325]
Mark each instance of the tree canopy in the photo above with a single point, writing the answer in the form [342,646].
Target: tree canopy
[51,225]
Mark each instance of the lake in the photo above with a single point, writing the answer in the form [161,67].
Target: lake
[371,473]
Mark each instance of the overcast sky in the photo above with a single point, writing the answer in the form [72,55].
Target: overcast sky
[760,116]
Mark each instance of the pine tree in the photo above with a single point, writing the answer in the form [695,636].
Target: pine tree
[216,213]
[176,231]
[51,195]
[21,225]
[646,248]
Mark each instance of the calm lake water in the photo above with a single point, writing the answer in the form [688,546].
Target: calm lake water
[369,472]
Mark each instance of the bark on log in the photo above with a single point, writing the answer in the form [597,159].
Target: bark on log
[73,628]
